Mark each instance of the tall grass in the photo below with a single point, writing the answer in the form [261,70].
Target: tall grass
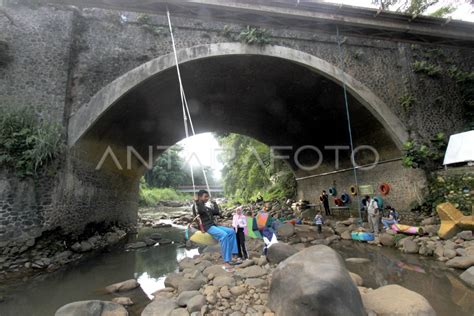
[151,196]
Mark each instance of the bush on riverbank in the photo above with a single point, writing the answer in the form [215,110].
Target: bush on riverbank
[151,196]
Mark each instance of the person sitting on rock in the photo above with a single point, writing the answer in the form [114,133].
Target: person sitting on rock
[225,235]
[392,218]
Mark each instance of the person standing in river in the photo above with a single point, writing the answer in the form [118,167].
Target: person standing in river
[373,214]
[225,235]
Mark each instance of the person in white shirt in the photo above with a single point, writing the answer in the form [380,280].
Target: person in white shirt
[373,214]
[239,222]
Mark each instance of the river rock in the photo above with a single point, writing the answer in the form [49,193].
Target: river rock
[279,252]
[387,239]
[224,292]
[449,253]
[461,262]
[155,236]
[460,251]
[238,290]
[314,282]
[215,270]
[196,303]
[92,308]
[160,306]
[190,285]
[409,246]
[173,280]
[247,263]
[392,300]
[357,260]
[223,280]
[346,235]
[136,245]
[165,242]
[186,263]
[255,283]
[431,230]
[468,277]
[356,278]
[466,235]
[251,272]
[285,230]
[185,296]
[122,300]
[180,312]
[429,221]
[122,286]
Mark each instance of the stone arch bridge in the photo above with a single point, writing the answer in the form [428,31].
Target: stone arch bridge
[104,69]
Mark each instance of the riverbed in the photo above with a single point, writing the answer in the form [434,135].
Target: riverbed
[44,294]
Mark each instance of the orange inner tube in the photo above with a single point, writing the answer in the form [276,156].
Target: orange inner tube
[384,188]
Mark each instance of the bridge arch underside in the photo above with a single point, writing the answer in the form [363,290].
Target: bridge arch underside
[276,101]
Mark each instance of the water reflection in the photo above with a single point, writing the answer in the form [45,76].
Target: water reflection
[440,286]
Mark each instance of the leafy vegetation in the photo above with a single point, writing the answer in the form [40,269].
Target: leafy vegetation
[151,196]
[415,7]
[253,35]
[251,170]
[428,156]
[427,68]
[27,142]
[407,101]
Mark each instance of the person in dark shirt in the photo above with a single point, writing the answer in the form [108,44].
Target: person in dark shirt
[225,235]
[324,198]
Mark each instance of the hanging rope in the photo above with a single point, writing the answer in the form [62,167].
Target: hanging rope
[187,119]
[348,118]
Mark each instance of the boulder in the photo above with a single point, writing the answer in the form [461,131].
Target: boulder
[356,278]
[173,280]
[251,272]
[122,301]
[238,290]
[314,282]
[185,296]
[449,253]
[279,252]
[357,260]
[223,280]
[160,306]
[196,303]
[256,283]
[429,221]
[180,312]
[285,230]
[190,285]
[393,300]
[466,235]
[122,286]
[468,277]
[215,270]
[346,235]
[387,240]
[461,262]
[410,246]
[186,263]
[92,308]
[136,245]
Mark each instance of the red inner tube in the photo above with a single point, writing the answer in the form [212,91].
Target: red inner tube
[384,188]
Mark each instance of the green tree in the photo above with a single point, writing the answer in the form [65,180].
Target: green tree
[168,170]
[249,169]
[414,7]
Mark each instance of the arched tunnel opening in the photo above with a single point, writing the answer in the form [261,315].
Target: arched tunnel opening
[292,108]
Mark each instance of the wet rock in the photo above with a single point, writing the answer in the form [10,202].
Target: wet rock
[279,252]
[185,296]
[136,245]
[356,278]
[357,260]
[92,308]
[122,301]
[461,262]
[85,246]
[76,247]
[314,282]
[285,230]
[449,253]
[155,236]
[468,277]
[149,242]
[122,286]
[223,280]
[165,242]
[196,303]
[160,306]
[409,246]
[251,272]
[387,240]
[407,302]
[466,235]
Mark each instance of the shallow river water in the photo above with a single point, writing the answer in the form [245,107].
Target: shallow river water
[44,294]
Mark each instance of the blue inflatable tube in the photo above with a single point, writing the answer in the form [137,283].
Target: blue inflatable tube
[345,198]
[332,191]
